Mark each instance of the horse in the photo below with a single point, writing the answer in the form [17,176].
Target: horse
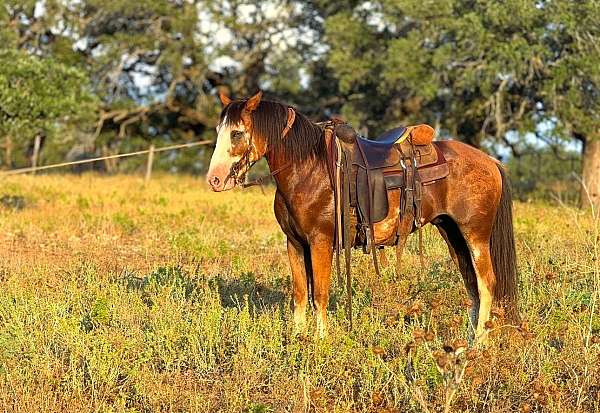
[471,207]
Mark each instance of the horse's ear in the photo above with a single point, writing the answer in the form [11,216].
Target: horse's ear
[225,100]
[253,102]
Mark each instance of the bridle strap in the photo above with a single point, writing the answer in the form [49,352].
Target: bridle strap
[237,166]
[244,160]
[263,179]
[291,117]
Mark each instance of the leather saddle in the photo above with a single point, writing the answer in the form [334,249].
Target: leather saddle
[389,162]
[363,171]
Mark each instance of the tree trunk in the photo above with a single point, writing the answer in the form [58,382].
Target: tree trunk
[590,190]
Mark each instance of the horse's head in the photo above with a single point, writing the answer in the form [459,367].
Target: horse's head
[238,148]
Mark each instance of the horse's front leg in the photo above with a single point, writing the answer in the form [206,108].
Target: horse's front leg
[321,251]
[296,255]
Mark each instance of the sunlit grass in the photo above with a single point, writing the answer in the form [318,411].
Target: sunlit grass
[115,296]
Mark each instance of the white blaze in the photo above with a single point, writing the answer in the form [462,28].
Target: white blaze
[221,160]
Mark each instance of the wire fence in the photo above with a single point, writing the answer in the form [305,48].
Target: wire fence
[149,151]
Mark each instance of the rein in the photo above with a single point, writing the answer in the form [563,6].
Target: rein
[264,178]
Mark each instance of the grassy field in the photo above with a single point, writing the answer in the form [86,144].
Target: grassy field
[120,297]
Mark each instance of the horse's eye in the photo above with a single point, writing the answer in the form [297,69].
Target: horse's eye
[236,136]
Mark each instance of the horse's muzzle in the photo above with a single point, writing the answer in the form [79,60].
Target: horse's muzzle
[217,179]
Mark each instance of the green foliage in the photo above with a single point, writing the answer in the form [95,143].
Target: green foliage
[124,222]
[173,279]
[37,95]
[476,70]
[571,88]
[155,38]
[541,175]
[459,64]
[135,55]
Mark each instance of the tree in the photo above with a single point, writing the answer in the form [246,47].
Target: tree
[275,46]
[571,88]
[39,96]
[144,60]
[483,72]
[149,61]
[465,66]
[148,67]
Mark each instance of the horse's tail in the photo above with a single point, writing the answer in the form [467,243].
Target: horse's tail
[504,257]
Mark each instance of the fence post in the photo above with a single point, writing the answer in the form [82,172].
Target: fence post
[149,163]
[37,143]
[7,152]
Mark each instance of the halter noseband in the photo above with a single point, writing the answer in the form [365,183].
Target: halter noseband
[237,166]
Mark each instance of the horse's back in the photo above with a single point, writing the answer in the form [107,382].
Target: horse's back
[468,162]
[453,149]
[459,151]
[473,185]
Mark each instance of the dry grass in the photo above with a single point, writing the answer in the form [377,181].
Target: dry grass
[116,297]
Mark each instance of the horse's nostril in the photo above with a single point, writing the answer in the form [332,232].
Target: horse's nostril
[215,181]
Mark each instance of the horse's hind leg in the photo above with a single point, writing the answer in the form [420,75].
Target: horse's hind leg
[459,251]
[486,281]
[474,261]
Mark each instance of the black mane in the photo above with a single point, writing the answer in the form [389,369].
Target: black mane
[303,141]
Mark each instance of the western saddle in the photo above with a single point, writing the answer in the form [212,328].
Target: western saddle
[362,171]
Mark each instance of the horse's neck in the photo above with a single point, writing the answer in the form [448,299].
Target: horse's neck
[295,176]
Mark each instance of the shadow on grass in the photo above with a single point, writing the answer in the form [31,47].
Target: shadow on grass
[178,281]
[245,290]
[236,292]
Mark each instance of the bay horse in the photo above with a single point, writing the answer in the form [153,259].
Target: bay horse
[471,207]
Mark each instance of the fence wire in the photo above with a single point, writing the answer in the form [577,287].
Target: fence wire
[101,158]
